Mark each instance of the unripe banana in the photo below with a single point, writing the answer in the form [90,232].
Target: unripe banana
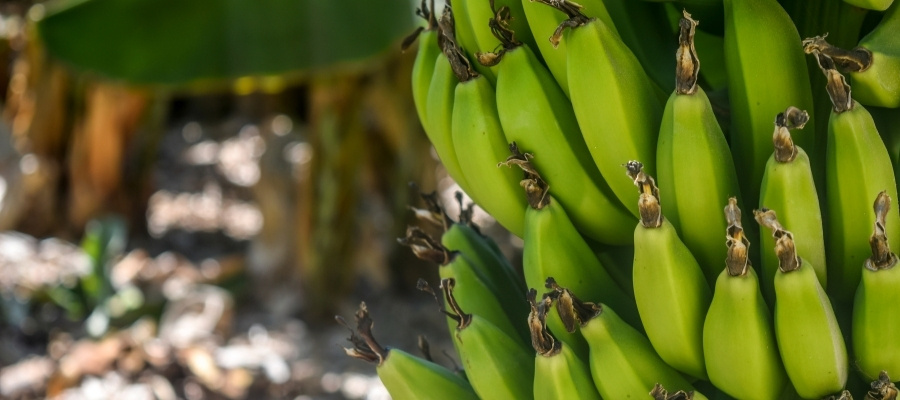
[669,287]
[877,5]
[559,373]
[617,106]
[738,338]
[396,367]
[857,168]
[766,74]
[788,186]
[543,20]
[695,166]
[498,365]
[535,113]
[450,67]
[426,57]
[474,292]
[876,324]
[464,236]
[645,29]
[809,338]
[623,363]
[472,31]
[872,65]
[479,144]
[553,247]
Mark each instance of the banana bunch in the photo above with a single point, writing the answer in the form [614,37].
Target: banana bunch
[549,114]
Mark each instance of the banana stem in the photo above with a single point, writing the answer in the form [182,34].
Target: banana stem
[687,65]
[882,256]
[364,345]
[737,262]
[857,59]
[536,188]
[882,388]
[648,203]
[572,311]
[837,87]
[792,118]
[541,339]
[784,240]
[463,320]
[660,393]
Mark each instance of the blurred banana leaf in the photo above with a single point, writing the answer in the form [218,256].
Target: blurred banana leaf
[178,41]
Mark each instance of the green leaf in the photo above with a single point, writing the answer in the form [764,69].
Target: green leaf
[178,41]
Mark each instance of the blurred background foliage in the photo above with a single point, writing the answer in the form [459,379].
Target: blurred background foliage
[154,152]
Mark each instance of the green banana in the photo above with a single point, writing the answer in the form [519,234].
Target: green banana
[788,186]
[887,121]
[809,338]
[543,20]
[872,65]
[857,167]
[476,294]
[738,338]
[671,293]
[644,29]
[766,74]
[535,113]
[395,367]
[472,31]
[623,363]
[876,325]
[464,236]
[449,67]
[559,373]
[882,388]
[478,140]
[498,365]
[553,247]
[694,162]
[618,107]
[877,5]
[423,67]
